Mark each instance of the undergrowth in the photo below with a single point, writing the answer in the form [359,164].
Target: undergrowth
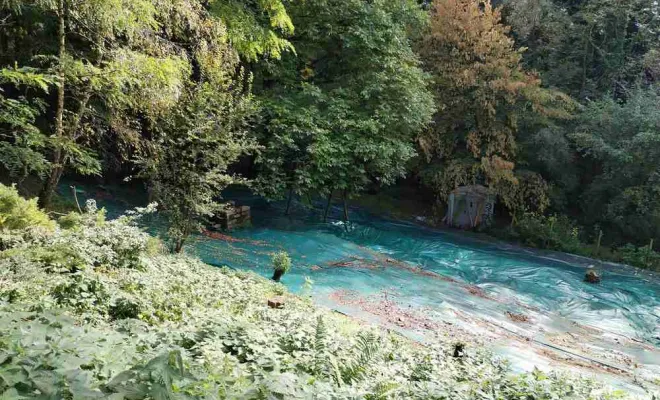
[95,311]
[560,233]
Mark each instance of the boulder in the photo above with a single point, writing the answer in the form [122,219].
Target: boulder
[592,276]
[459,350]
[276,302]
[517,317]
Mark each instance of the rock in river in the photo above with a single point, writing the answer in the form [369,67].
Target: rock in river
[592,276]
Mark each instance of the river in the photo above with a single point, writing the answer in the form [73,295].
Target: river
[529,306]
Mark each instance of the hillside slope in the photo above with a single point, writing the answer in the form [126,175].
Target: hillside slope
[93,309]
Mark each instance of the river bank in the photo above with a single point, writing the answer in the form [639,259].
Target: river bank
[94,308]
[530,306]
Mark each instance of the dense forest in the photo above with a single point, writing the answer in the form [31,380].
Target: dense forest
[551,104]
[551,107]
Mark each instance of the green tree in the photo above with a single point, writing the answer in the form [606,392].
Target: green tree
[107,59]
[587,48]
[196,142]
[21,141]
[605,54]
[256,28]
[483,92]
[620,142]
[343,112]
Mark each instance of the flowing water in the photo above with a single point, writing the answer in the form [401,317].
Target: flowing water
[532,307]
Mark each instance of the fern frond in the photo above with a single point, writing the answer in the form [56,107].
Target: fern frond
[367,347]
[336,371]
[320,349]
[382,390]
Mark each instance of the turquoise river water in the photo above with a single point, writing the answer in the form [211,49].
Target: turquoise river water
[532,307]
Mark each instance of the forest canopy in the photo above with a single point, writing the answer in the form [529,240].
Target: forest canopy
[551,104]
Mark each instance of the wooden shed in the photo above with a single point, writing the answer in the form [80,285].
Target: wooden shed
[470,207]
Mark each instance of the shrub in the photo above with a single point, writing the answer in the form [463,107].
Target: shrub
[59,258]
[547,232]
[82,293]
[71,220]
[281,261]
[281,265]
[561,234]
[19,213]
[123,309]
[643,257]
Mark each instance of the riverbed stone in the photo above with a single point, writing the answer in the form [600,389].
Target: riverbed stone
[592,276]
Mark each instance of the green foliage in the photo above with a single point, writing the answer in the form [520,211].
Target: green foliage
[588,49]
[198,143]
[643,257]
[621,141]
[482,92]
[342,114]
[19,213]
[558,232]
[547,232]
[256,28]
[81,294]
[72,220]
[281,261]
[124,309]
[21,142]
[177,328]
[335,94]
[366,350]
[162,377]
[193,146]
[58,258]
[109,66]
[604,54]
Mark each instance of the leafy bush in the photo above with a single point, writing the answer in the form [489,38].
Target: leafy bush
[177,328]
[124,309]
[547,232]
[19,213]
[281,261]
[561,234]
[58,258]
[72,220]
[82,293]
[643,257]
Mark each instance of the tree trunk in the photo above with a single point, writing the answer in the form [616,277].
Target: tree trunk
[288,202]
[178,245]
[345,206]
[327,208]
[277,275]
[46,195]
[75,124]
